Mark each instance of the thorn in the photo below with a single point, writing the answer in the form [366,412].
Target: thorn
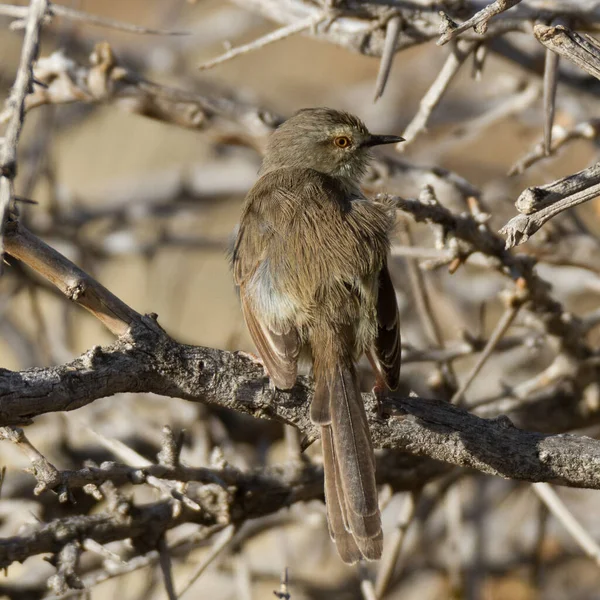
[392,33]
[453,266]
[166,568]
[550,83]
[307,441]
[283,593]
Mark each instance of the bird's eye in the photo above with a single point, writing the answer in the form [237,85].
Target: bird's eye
[342,141]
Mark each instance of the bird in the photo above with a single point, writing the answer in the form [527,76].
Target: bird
[310,263]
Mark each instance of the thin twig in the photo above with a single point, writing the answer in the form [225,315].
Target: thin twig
[479,21]
[577,531]
[67,563]
[164,559]
[243,577]
[454,537]
[220,544]
[389,560]
[436,91]
[273,36]
[46,473]
[416,252]
[537,564]
[525,94]
[131,457]
[425,309]
[20,89]
[587,130]
[479,56]
[22,12]
[79,15]
[501,328]
[93,546]
[422,298]
[120,568]
[367,589]
[458,350]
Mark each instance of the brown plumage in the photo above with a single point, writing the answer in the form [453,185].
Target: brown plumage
[310,263]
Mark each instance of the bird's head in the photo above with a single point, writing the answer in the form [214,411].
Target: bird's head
[330,141]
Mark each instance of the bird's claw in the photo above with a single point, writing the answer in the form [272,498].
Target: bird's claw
[379,391]
[252,357]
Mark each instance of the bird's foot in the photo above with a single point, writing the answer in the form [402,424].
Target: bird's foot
[257,360]
[379,391]
[252,357]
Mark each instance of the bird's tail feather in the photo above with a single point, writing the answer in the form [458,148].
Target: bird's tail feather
[349,464]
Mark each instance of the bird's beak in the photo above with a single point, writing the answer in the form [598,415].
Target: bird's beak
[378,140]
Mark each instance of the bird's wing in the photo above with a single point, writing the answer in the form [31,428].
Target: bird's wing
[247,252]
[386,352]
[278,351]
[279,347]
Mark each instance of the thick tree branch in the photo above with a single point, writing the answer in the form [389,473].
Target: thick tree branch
[552,386]
[74,283]
[146,359]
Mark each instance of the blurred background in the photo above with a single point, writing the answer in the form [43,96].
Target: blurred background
[148,206]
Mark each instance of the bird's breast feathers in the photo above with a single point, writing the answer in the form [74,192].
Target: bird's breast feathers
[322,245]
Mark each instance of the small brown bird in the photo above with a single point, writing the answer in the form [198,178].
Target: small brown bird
[310,263]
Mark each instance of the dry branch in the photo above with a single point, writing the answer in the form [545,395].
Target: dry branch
[540,204]
[16,102]
[432,98]
[581,49]
[476,237]
[588,130]
[424,438]
[259,496]
[22,12]
[479,21]
[74,283]
[533,199]
[274,36]
[146,359]
[63,81]
[361,26]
